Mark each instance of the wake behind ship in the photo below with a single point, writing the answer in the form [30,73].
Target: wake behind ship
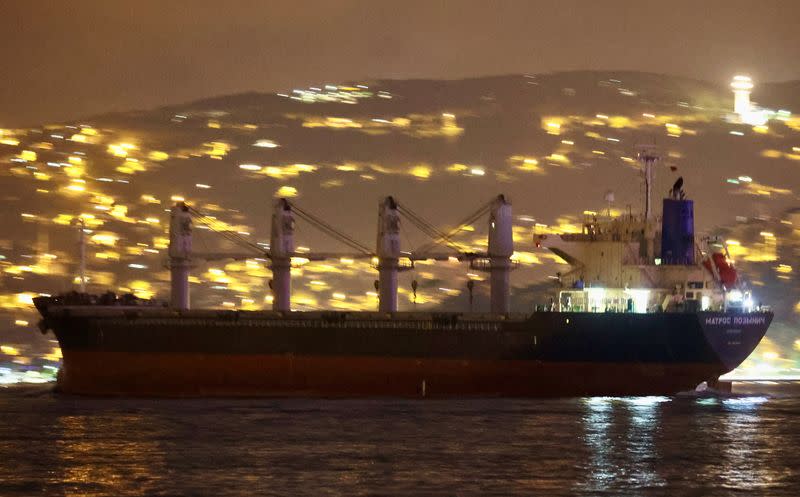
[643,310]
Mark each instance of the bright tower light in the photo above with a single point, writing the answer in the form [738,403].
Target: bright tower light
[741,86]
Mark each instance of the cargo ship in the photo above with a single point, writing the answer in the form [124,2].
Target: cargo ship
[645,309]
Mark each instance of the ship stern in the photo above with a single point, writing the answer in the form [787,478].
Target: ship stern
[734,336]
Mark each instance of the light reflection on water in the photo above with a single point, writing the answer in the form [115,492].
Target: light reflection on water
[597,418]
[619,431]
[593,446]
[746,434]
[644,415]
[129,463]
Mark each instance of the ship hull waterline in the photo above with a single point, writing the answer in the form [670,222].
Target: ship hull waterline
[201,375]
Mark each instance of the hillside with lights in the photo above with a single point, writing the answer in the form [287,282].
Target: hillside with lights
[556,144]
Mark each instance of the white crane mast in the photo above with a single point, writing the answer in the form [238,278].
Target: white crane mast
[281,251]
[180,253]
[388,252]
[501,247]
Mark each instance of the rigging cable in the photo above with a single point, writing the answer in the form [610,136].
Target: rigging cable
[331,231]
[219,228]
[438,235]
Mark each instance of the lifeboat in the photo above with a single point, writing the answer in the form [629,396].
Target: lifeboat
[719,265]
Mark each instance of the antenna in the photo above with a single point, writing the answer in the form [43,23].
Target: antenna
[647,157]
[81,223]
[609,198]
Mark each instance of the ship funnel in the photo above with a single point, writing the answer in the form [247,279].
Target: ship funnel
[180,252]
[501,247]
[281,251]
[677,228]
[388,251]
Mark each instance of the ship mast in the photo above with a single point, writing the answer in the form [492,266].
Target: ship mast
[648,157]
[501,247]
[180,252]
[388,252]
[281,250]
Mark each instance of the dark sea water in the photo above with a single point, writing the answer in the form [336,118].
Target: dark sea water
[744,445]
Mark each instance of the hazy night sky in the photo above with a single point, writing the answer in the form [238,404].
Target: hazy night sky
[69,59]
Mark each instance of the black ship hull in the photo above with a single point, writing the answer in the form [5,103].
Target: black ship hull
[159,352]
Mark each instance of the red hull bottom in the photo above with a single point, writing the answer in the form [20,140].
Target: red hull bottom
[188,375]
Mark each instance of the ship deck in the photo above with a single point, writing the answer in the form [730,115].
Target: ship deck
[96,311]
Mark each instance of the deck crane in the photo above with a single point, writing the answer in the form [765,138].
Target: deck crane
[496,261]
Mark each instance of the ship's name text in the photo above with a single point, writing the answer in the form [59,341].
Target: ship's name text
[736,320]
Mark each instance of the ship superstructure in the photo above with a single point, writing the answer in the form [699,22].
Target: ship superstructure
[647,264]
[643,310]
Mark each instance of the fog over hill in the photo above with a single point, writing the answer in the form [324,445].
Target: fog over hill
[554,143]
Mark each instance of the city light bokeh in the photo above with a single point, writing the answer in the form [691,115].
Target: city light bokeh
[554,143]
